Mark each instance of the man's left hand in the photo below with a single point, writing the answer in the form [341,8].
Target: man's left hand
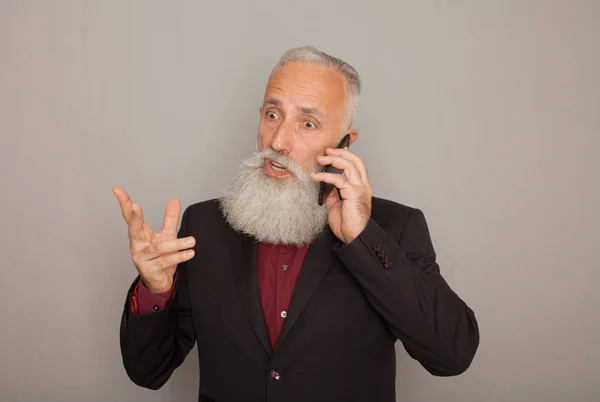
[349,216]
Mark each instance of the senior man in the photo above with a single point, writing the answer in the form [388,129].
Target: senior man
[288,300]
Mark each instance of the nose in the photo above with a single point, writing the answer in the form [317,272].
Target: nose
[282,139]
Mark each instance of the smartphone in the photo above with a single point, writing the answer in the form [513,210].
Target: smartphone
[325,188]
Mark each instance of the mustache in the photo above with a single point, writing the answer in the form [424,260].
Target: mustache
[291,165]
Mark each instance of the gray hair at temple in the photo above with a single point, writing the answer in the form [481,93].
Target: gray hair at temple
[310,54]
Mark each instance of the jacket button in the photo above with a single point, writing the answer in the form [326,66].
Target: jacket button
[388,265]
[275,375]
[384,259]
[380,253]
[377,248]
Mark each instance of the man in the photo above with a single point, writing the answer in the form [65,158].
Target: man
[288,300]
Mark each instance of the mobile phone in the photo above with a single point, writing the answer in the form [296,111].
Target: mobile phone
[325,188]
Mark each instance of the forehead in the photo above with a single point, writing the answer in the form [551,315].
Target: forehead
[310,84]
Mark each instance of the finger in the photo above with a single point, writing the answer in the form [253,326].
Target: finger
[171,219]
[168,260]
[136,223]
[124,202]
[332,178]
[157,249]
[350,170]
[357,160]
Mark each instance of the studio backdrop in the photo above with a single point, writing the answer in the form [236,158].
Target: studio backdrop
[483,114]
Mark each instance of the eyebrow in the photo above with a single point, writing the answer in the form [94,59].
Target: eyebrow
[312,110]
[272,101]
[303,109]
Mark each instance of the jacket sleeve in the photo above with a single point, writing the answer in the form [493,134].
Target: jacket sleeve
[153,345]
[402,281]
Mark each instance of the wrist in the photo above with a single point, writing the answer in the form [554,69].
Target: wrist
[156,288]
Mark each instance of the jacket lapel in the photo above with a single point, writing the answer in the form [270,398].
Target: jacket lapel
[244,254]
[318,259]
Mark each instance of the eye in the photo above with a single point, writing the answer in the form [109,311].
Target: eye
[310,125]
[271,115]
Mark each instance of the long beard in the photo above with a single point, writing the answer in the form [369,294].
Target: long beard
[277,211]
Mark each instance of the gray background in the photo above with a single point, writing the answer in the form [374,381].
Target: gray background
[485,114]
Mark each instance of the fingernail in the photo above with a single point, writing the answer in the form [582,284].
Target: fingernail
[190,241]
[190,253]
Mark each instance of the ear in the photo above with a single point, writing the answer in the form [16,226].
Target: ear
[353,135]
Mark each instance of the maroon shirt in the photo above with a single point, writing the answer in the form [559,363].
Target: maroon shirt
[277,270]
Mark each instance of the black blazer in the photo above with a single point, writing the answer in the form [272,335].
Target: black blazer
[337,342]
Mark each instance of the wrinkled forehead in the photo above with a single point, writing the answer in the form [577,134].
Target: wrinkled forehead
[301,84]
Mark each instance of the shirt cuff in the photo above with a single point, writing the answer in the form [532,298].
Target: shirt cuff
[143,301]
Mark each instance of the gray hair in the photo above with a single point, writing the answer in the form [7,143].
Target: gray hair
[310,54]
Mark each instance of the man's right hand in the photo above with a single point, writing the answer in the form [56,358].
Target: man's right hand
[155,255]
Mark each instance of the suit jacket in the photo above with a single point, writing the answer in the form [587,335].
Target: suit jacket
[350,305]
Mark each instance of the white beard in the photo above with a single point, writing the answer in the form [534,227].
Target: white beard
[272,210]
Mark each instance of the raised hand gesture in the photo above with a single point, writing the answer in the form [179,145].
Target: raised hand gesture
[155,255]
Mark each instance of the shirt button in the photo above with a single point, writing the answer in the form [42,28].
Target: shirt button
[155,307]
[285,267]
[283,314]
[275,375]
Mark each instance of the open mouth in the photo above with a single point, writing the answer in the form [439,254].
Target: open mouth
[277,167]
